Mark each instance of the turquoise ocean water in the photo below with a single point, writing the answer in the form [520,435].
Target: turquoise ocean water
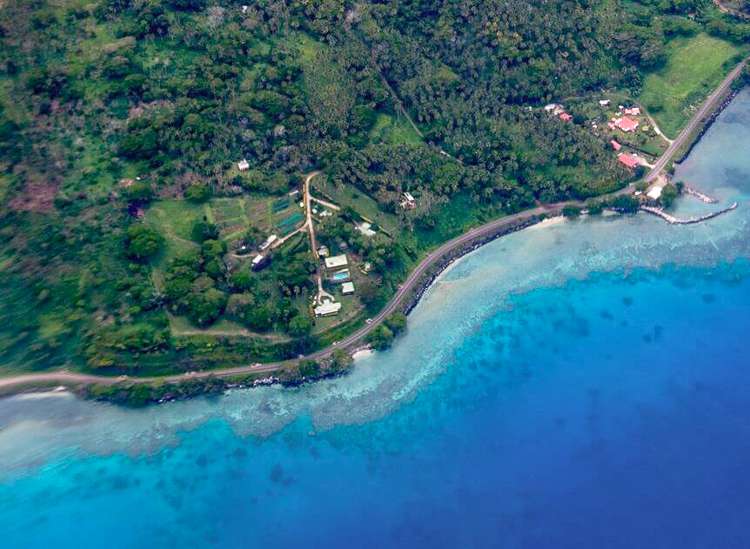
[577,384]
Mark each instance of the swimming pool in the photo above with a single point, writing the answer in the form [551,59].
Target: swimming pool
[340,276]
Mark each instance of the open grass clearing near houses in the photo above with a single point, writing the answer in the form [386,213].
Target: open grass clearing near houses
[174,219]
[364,205]
[694,67]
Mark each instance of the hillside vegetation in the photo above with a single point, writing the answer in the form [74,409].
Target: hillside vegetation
[123,124]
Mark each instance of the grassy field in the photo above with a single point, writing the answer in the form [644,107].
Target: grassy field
[174,219]
[363,204]
[694,67]
[388,129]
[181,326]
[455,217]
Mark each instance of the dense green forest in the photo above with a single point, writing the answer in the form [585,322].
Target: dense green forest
[114,111]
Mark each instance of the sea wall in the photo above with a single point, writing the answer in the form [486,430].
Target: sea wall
[707,123]
[413,298]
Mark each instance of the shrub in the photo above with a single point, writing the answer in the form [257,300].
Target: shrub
[396,323]
[571,211]
[198,192]
[668,195]
[309,368]
[142,242]
[381,338]
[299,326]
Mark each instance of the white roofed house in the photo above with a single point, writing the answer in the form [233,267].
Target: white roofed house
[654,193]
[365,228]
[327,309]
[347,288]
[243,165]
[336,261]
[270,240]
[259,262]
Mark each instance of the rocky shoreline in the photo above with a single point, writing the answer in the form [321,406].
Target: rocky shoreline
[707,123]
[447,260]
[141,394]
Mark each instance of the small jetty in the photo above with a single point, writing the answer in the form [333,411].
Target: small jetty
[672,220]
[699,195]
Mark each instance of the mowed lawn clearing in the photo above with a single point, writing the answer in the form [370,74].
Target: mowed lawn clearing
[695,66]
[364,205]
[393,130]
[174,220]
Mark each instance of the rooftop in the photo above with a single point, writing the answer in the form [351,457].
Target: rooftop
[654,193]
[626,124]
[336,261]
[325,309]
[347,288]
[629,160]
[365,228]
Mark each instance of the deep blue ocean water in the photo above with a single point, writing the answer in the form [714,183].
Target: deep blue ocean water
[603,401]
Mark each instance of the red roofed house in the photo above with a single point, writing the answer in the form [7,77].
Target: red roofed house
[615,145]
[565,117]
[626,124]
[629,160]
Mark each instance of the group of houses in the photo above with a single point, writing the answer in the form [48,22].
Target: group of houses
[625,121]
[337,272]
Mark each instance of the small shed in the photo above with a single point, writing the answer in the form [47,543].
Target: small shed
[270,240]
[260,261]
[654,193]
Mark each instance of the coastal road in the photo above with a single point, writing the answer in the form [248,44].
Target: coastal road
[62,377]
[430,261]
[68,378]
[705,109]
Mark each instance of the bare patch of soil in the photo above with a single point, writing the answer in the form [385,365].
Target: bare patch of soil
[38,194]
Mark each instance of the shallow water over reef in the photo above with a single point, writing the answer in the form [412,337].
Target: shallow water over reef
[576,384]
